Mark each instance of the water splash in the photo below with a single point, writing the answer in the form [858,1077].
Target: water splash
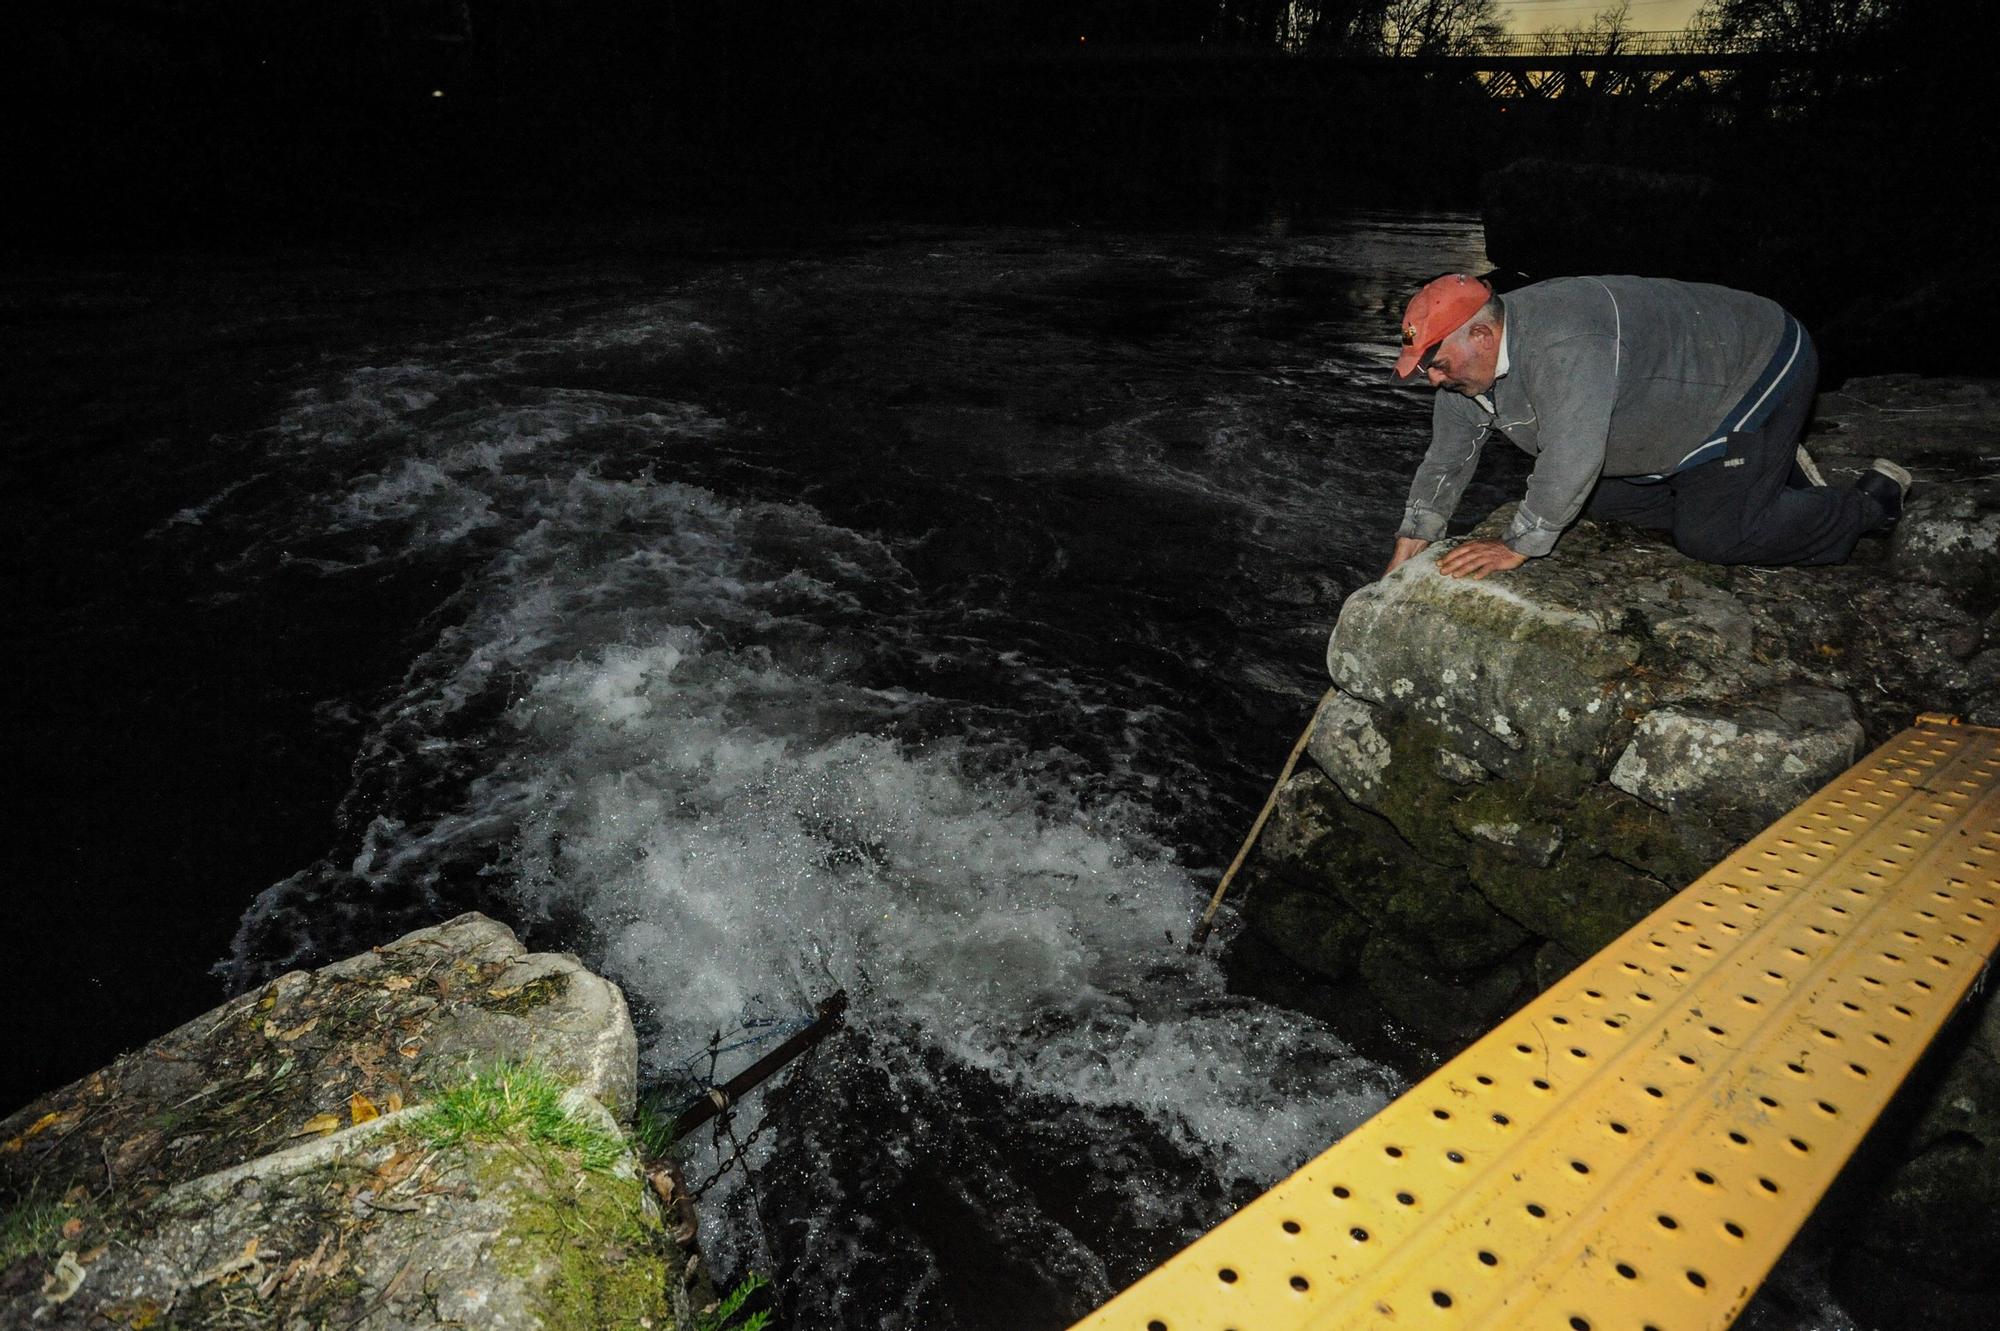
[689,734]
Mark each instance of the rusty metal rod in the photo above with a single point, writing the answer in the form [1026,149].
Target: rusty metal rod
[832,1013]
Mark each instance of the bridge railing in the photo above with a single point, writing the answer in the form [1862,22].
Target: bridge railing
[1671,42]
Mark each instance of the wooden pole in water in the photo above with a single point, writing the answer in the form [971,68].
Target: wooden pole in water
[1207,921]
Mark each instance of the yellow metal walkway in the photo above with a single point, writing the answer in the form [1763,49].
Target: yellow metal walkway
[1634,1149]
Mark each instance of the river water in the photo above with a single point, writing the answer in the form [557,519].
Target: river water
[914,613]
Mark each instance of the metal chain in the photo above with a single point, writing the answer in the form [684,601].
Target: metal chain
[740,1147]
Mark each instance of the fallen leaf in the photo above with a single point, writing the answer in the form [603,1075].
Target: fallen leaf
[395,1102]
[360,1108]
[396,1168]
[503,991]
[72,1227]
[298,1030]
[410,1048]
[64,1281]
[320,1123]
[94,1254]
[138,1314]
[54,1119]
[367,1058]
[245,1261]
[136,1151]
[398,982]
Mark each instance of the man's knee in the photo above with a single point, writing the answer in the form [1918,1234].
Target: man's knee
[1709,548]
[1713,545]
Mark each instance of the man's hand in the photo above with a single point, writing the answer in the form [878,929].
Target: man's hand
[1475,559]
[1407,548]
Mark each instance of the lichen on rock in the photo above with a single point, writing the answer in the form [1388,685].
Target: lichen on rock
[269,1163]
[1740,764]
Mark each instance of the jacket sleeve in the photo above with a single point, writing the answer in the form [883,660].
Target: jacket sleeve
[1458,431]
[1573,386]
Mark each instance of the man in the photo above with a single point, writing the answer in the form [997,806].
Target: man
[1670,405]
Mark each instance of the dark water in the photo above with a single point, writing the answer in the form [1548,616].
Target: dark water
[917,613]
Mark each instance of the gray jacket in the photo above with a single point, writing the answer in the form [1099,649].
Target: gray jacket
[1607,376]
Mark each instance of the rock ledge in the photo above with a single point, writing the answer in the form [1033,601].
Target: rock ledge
[1514,771]
[270,1163]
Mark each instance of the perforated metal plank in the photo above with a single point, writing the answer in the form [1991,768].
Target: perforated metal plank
[1635,1148]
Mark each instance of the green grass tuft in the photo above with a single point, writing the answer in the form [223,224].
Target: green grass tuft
[31,1226]
[516,1101]
[726,1311]
[653,1126]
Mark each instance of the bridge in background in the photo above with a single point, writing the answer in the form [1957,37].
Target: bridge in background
[1648,65]
[1635,67]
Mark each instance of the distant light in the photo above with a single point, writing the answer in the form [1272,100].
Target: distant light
[1083,39]
[437,92]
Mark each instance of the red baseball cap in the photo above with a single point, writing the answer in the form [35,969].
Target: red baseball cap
[1435,313]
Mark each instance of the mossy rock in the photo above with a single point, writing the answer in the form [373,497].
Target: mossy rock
[1443,919]
[1308,822]
[1437,1004]
[1581,901]
[1617,827]
[268,1164]
[1552,962]
[1320,842]
[1513,672]
[1315,932]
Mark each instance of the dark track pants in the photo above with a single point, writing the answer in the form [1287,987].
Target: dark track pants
[1741,508]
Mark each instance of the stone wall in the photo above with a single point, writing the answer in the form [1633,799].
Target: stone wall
[1513,771]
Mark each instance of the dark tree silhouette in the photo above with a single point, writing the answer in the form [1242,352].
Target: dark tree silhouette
[1439,27]
[1826,26]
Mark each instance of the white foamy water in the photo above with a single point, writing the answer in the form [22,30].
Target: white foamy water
[688,734]
[915,615]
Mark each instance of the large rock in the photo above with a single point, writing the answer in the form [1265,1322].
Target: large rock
[270,1163]
[1925,1255]
[1515,770]
[1944,431]
[1735,764]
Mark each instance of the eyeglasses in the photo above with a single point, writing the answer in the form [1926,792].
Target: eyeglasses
[1425,361]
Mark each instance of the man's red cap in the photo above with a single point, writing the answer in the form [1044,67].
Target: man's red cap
[1435,313]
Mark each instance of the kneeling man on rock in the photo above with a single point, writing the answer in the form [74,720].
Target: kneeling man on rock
[1672,405]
